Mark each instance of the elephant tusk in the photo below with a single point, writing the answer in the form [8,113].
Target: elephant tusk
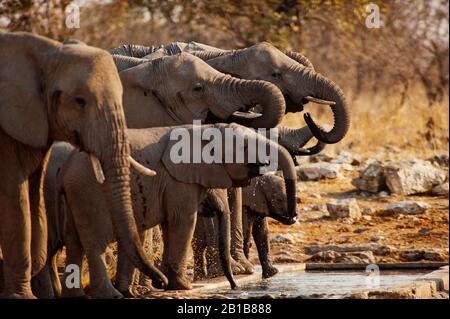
[97,168]
[140,168]
[246,115]
[319,101]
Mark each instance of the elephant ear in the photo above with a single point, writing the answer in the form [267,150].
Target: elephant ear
[23,114]
[212,175]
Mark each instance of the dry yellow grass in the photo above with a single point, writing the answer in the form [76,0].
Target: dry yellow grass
[415,127]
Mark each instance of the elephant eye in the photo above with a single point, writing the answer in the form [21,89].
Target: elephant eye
[276,75]
[80,101]
[198,87]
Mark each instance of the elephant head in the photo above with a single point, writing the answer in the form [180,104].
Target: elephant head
[178,89]
[73,93]
[294,76]
[225,171]
[266,197]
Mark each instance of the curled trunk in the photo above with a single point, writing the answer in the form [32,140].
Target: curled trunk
[299,58]
[325,89]
[132,50]
[224,247]
[253,93]
[294,139]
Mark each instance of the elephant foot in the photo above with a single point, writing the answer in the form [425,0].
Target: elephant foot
[177,281]
[246,265]
[127,293]
[236,267]
[106,294]
[23,295]
[269,271]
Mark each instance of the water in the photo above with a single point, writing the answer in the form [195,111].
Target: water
[329,283]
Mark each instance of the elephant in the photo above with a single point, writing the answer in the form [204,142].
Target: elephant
[178,89]
[204,242]
[170,199]
[291,72]
[50,91]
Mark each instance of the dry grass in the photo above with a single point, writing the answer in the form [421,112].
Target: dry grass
[379,121]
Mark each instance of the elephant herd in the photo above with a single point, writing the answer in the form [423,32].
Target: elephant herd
[86,159]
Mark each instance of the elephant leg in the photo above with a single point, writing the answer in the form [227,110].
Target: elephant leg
[39,232]
[42,282]
[237,249]
[74,258]
[261,237]
[198,249]
[15,240]
[54,277]
[180,234]
[126,271]
[101,286]
[247,226]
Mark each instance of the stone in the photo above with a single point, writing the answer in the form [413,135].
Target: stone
[371,178]
[376,249]
[376,239]
[367,218]
[440,190]
[405,208]
[412,176]
[425,230]
[441,160]
[363,257]
[321,157]
[317,171]
[345,157]
[288,238]
[360,230]
[344,208]
[420,254]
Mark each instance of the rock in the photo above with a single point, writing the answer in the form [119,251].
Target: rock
[368,211]
[418,255]
[425,230]
[371,178]
[346,158]
[412,177]
[360,230]
[288,238]
[376,239]
[364,257]
[405,208]
[344,208]
[441,160]
[376,249]
[440,190]
[367,218]
[383,194]
[315,196]
[404,177]
[321,157]
[317,171]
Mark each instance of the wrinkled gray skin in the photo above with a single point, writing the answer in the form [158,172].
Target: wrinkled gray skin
[175,90]
[50,91]
[290,71]
[291,139]
[171,199]
[46,284]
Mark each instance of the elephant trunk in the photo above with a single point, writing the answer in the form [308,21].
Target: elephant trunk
[295,139]
[113,152]
[326,90]
[252,93]
[224,246]
[286,165]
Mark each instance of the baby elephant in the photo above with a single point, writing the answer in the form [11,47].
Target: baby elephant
[266,196]
[170,199]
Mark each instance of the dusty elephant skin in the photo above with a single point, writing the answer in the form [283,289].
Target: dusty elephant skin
[178,89]
[171,199]
[50,91]
[265,197]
